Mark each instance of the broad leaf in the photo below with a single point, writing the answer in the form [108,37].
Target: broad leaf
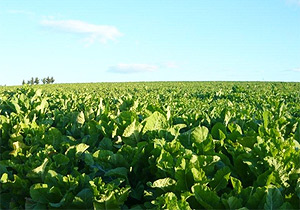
[274,199]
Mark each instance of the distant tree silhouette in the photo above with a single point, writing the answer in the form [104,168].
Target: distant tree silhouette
[32,81]
[48,80]
[37,81]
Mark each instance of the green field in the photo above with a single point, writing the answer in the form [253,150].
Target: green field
[163,145]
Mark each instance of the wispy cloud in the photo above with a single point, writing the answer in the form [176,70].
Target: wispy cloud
[21,12]
[296,70]
[102,33]
[132,68]
[170,65]
[292,70]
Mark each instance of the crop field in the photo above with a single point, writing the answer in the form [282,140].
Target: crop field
[150,145]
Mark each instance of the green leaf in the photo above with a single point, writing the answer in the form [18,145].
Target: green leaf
[165,162]
[274,199]
[132,133]
[137,192]
[266,119]
[106,144]
[175,129]
[4,178]
[198,174]
[29,204]
[220,179]
[167,201]
[54,137]
[64,202]
[247,141]
[234,203]
[265,179]
[168,113]
[39,193]
[83,199]
[88,158]
[16,106]
[170,201]
[80,118]
[18,148]
[42,105]
[227,116]
[112,199]
[80,148]
[61,159]
[37,94]
[118,172]
[183,182]
[236,184]
[218,131]
[286,205]
[155,121]
[164,184]
[194,136]
[245,194]
[207,198]
[233,127]
[235,131]
[297,188]
[41,168]
[257,199]
[297,133]
[54,194]
[199,134]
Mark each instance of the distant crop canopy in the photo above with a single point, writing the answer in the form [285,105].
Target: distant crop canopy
[150,145]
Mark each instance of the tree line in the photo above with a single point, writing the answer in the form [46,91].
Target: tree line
[36,81]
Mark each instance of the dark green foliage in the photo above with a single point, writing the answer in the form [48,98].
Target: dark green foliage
[172,145]
[36,80]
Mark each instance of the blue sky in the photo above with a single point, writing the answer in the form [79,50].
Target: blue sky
[158,40]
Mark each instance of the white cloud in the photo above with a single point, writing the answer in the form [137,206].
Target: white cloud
[93,32]
[292,70]
[296,70]
[170,65]
[132,68]
[48,17]
[21,12]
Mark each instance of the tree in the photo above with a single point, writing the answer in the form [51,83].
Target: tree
[37,81]
[32,81]
[48,80]
[52,80]
[23,82]
[44,80]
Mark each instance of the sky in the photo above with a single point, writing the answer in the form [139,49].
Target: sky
[158,40]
